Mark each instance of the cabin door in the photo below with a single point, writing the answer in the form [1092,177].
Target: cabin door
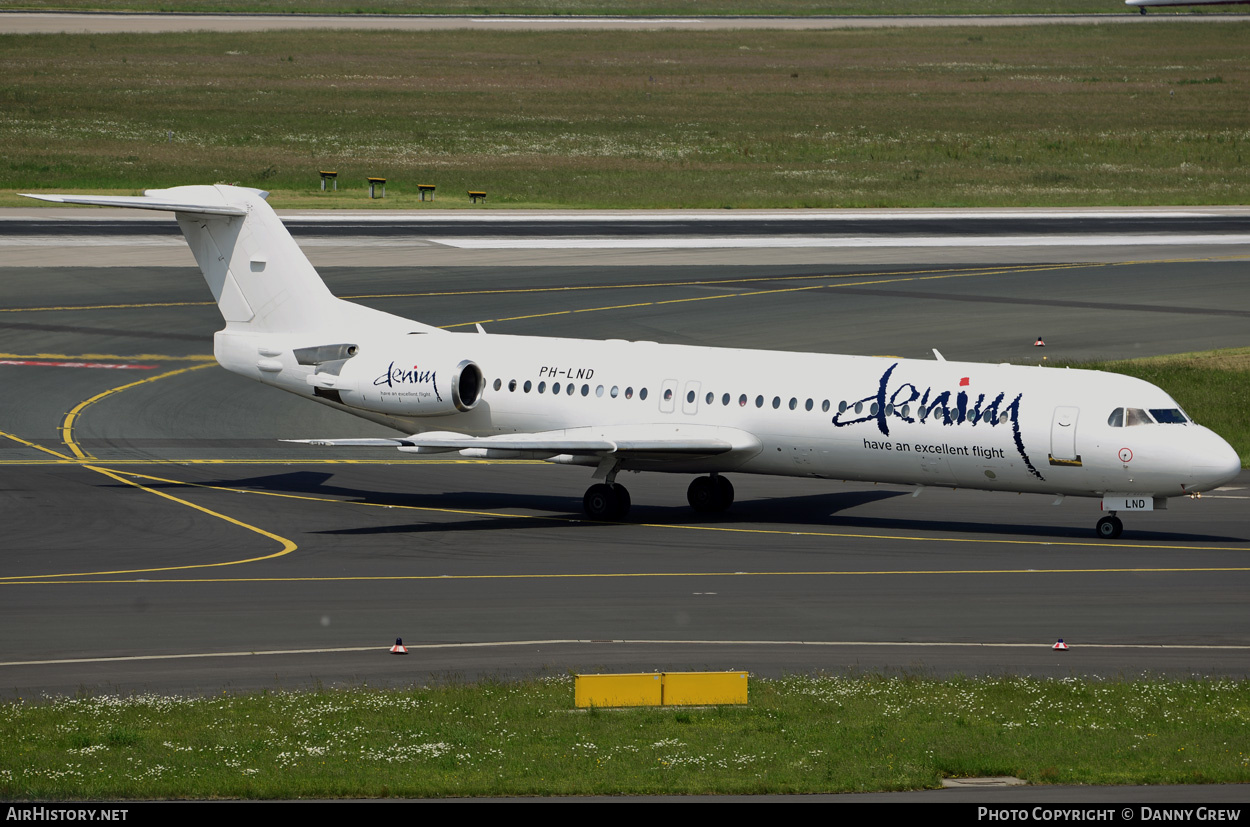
[1063,435]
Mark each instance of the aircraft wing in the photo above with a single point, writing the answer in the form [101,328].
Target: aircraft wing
[634,442]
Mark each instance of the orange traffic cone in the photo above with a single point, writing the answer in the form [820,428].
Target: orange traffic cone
[1039,342]
[399,648]
[1060,646]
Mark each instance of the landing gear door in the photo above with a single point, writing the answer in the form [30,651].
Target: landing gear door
[1063,436]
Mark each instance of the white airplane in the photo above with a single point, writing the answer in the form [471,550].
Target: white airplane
[1142,5]
[641,406]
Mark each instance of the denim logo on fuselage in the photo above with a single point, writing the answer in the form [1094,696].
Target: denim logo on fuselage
[895,402]
[401,376]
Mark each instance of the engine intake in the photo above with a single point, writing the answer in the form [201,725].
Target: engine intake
[466,386]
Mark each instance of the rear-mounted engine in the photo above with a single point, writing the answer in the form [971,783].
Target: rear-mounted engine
[402,387]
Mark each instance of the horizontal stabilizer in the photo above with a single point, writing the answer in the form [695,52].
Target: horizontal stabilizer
[144,202]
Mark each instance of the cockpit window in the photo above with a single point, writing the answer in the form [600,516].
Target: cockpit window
[1128,417]
[1169,416]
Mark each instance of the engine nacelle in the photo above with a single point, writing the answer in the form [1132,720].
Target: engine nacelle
[427,388]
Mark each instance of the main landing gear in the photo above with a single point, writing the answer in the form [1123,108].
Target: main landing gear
[606,501]
[1110,527]
[710,495]
[610,500]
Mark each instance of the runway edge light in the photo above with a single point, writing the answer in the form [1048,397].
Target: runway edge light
[399,648]
[1060,646]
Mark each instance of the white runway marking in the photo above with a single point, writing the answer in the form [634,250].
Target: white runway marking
[751,216]
[45,364]
[382,650]
[678,243]
[596,21]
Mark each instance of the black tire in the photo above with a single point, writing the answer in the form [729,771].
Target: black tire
[702,495]
[599,502]
[605,501]
[1109,528]
[724,493]
[623,501]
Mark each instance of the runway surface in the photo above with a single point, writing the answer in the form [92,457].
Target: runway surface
[105,23]
[160,537]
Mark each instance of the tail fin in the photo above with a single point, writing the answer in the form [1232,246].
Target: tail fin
[260,278]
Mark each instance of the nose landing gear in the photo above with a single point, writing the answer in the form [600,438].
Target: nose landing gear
[1110,527]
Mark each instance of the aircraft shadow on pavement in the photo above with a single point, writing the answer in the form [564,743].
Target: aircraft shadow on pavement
[816,511]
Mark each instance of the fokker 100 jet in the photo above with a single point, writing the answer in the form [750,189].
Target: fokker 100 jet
[618,406]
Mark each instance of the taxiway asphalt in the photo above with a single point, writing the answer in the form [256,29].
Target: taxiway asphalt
[187,549]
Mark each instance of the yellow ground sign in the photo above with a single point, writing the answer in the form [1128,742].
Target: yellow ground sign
[642,689]
[661,689]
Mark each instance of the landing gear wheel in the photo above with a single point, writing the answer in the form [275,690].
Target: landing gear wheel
[1109,528]
[606,501]
[709,495]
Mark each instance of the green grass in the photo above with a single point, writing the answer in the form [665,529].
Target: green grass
[1212,386]
[702,8]
[1052,115]
[803,734]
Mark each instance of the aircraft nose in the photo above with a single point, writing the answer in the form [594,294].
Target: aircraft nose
[1219,464]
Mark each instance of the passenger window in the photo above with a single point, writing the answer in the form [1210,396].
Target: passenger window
[689,396]
[585,390]
[807,406]
[512,385]
[629,393]
[555,388]
[710,396]
[824,406]
[794,403]
[642,393]
[528,386]
[668,394]
[1116,420]
[615,390]
[498,384]
[724,400]
[542,387]
[759,401]
[873,410]
[569,388]
[859,407]
[842,406]
[742,401]
[599,391]
[776,402]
